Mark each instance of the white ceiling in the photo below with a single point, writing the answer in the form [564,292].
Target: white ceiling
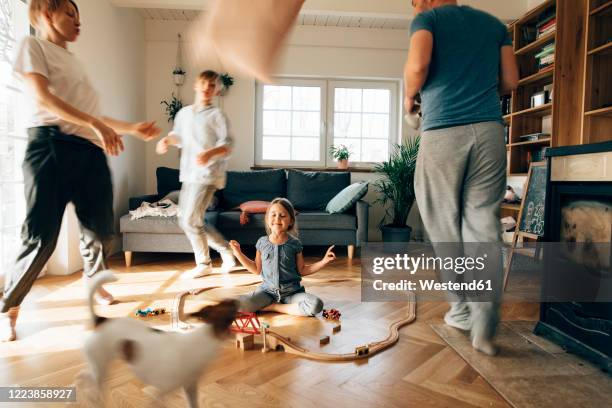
[307,19]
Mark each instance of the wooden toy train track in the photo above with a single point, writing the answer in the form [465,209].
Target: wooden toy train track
[273,341]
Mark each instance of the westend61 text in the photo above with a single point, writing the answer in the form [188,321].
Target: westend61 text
[429,285]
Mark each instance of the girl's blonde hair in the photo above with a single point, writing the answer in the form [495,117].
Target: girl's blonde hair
[39,7]
[286,204]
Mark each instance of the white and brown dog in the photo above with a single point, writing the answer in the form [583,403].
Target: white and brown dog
[164,360]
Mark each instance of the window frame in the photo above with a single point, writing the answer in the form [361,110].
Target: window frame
[259,123]
[328,86]
[393,136]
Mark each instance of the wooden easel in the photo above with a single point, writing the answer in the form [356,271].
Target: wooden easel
[535,233]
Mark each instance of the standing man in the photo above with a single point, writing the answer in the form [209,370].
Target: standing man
[461,60]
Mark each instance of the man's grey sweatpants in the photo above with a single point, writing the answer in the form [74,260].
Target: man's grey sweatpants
[194,199]
[459,183]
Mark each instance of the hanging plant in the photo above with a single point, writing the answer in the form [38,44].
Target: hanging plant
[179,73]
[179,76]
[172,107]
[226,81]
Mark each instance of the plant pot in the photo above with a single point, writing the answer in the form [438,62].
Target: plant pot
[343,164]
[395,239]
[179,79]
[395,234]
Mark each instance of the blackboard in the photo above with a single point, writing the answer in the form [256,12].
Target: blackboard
[532,207]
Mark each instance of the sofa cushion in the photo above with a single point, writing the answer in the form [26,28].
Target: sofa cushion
[347,198]
[325,185]
[305,221]
[167,180]
[262,185]
[159,225]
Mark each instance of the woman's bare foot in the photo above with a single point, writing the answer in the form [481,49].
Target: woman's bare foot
[103,297]
[9,321]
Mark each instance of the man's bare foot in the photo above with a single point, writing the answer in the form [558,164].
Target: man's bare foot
[9,321]
[485,346]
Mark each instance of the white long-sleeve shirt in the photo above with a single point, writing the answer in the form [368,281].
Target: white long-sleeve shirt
[198,129]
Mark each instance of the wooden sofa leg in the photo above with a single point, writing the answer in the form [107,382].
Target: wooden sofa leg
[351,251]
[128,258]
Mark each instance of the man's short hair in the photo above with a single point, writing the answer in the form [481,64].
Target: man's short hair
[39,7]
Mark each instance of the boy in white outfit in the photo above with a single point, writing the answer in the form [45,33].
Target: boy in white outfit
[202,131]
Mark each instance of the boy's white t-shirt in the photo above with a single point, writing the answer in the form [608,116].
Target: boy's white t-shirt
[198,129]
[67,80]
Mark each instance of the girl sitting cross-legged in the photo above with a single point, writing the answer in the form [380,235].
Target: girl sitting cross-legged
[280,261]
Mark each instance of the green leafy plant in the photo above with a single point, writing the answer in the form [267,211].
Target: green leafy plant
[226,80]
[178,71]
[340,152]
[396,187]
[172,107]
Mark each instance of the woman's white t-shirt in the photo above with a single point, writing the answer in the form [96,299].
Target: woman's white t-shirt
[67,80]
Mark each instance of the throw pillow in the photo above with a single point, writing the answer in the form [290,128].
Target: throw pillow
[312,190]
[252,207]
[347,198]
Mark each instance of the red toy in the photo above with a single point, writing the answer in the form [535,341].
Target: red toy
[246,323]
[331,314]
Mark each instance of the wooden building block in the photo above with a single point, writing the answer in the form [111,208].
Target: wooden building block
[324,340]
[245,341]
[336,328]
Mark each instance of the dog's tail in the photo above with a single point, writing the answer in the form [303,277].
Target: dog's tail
[94,283]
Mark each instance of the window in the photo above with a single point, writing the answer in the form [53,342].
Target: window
[13,26]
[298,120]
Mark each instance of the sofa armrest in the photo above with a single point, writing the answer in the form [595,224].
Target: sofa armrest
[362,210]
[135,202]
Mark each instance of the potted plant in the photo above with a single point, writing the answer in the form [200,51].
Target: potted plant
[172,107]
[341,153]
[226,81]
[179,76]
[396,188]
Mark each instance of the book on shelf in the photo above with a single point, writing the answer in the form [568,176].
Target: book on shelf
[549,59]
[546,50]
[547,31]
[545,27]
[532,137]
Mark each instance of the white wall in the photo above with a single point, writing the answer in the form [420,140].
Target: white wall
[112,48]
[532,3]
[320,51]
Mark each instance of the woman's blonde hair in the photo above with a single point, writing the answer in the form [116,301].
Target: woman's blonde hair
[286,204]
[40,7]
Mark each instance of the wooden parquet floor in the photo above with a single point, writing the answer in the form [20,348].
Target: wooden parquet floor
[421,370]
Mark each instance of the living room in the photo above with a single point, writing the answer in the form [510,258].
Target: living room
[340,81]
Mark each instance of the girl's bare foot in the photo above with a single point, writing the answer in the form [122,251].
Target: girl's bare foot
[9,321]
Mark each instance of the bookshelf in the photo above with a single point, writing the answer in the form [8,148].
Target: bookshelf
[545,44]
[549,47]
[597,95]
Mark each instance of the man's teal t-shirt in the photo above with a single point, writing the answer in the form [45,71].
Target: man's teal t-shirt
[463,78]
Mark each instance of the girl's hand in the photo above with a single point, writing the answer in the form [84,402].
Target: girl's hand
[162,146]
[235,247]
[145,130]
[329,255]
[111,141]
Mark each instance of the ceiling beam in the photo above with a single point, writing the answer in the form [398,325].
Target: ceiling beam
[502,9]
